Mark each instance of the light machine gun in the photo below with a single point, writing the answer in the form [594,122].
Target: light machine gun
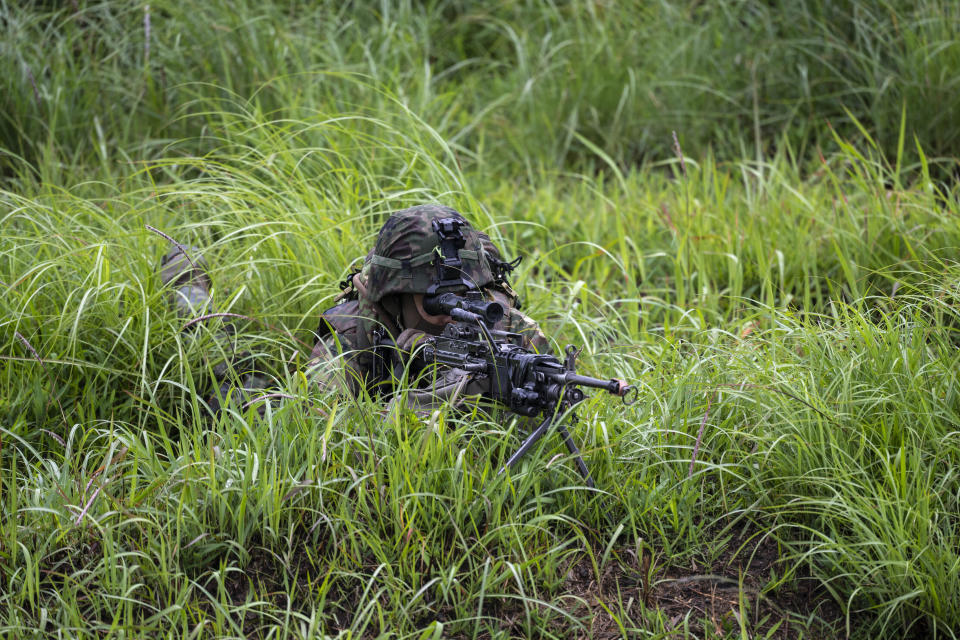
[526,383]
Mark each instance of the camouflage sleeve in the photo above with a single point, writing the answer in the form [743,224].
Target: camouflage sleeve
[515,321]
[340,359]
[533,338]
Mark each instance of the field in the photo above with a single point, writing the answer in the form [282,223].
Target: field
[749,209]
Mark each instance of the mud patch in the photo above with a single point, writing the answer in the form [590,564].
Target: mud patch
[735,591]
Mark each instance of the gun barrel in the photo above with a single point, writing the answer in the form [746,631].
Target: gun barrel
[617,387]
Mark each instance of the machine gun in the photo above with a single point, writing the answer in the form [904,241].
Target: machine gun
[524,382]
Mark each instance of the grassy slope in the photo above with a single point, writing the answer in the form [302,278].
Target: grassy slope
[790,323]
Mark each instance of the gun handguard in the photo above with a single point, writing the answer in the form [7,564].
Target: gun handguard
[469,308]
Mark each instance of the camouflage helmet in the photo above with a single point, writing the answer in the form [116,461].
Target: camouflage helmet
[409,249]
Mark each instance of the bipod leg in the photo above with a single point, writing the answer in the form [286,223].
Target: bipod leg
[582,466]
[528,443]
[572,446]
[535,436]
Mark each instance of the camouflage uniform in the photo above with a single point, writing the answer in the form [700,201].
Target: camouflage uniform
[184,269]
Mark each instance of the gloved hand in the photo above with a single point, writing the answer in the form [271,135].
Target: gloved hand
[409,338]
[447,385]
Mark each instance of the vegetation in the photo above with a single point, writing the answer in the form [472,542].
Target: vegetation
[779,277]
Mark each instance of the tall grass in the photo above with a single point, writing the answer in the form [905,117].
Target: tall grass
[789,317]
[511,85]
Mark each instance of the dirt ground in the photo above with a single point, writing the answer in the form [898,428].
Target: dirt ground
[729,594]
[733,592]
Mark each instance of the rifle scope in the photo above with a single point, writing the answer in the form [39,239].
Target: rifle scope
[469,308]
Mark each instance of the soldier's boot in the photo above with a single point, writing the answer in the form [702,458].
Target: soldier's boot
[233,368]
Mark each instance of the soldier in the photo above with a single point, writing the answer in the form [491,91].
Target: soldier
[417,250]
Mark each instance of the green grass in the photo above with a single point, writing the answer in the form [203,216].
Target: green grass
[783,293]
[518,85]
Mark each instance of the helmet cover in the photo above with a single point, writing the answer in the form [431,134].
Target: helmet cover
[408,248]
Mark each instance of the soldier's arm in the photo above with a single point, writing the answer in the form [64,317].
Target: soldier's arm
[515,321]
[339,360]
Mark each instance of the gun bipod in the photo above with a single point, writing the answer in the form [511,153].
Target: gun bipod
[541,431]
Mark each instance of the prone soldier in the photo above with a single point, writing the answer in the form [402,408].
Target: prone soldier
[436,288]
[419,251]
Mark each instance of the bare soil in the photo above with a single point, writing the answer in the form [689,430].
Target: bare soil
[733,591]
